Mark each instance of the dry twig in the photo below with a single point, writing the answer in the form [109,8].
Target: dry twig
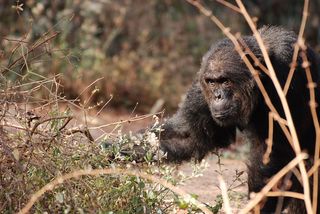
[224,192]
[273,181]
[300,43]
[97,172]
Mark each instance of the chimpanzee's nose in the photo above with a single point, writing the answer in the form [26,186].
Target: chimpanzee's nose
[218,94]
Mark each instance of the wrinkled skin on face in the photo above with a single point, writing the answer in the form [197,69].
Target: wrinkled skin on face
[228,86]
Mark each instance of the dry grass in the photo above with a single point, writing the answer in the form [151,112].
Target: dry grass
[43,146]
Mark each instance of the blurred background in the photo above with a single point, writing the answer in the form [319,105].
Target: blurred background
[135,51]
[63,62]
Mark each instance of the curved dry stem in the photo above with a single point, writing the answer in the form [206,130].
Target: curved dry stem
[282,96]
[273,181]
[224,192]
[269,141]
[297,46]
[313,109]
[137,118]
[314,168]
[96,172]
[286,194]
[229,5]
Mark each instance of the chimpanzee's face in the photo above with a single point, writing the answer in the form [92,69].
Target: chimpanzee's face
[227,85]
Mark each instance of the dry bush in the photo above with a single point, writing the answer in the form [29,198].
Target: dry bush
[43,145]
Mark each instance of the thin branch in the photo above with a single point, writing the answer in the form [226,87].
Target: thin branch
[97,172]
[273,181]
[33,48]
[297,46]
[84,131]
[314,168]
[269,141]
[256,61]
[286,194]
[313,109]
[15,40]
[47,120]
[126,121]
[102,108]
[229,5]
[224,192]
[284,103]
[86,88]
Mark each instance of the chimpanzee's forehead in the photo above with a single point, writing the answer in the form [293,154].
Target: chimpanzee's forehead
[222,60]
[224,54]
[226,46]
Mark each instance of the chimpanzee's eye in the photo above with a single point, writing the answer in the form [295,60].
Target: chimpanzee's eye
[209,80]
[221,80]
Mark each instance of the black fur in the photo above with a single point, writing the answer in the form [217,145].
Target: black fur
[225,97]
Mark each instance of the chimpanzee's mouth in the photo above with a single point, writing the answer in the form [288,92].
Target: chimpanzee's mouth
[226,117]
[224,114]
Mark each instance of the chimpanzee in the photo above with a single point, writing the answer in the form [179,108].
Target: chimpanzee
[225,97]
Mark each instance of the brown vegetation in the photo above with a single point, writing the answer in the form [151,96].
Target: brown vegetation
[56,62]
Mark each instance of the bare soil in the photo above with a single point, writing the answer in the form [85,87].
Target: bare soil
[206,187]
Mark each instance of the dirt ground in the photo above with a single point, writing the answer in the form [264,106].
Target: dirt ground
[206,187]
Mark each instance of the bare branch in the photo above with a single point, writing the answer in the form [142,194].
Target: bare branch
[98,172]
[300,43]
[273,181]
